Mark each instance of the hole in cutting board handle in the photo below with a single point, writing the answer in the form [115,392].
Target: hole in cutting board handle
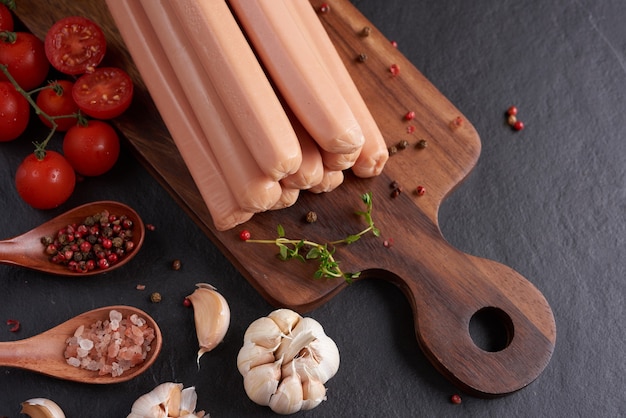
[491,329]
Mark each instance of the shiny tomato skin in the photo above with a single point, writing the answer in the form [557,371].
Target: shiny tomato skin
[45,183]
[6,18]
[54,104]
[75,45]
[26,60]
[104,94]
[93,149]
[14,112]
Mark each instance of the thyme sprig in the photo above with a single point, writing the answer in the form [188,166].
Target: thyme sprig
[40,147]
[303,249]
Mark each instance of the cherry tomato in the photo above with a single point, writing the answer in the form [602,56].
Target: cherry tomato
[58,103]
[6,19]
[75,45]
[26,60]
[104,94]
[92,149]
[14,112]
[45,183]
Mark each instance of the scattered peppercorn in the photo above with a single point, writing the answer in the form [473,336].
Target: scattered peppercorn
[421,144]
[512,111]
[176,264]
[409,115]
[394,184]
[394,44]
[410,129]
[456,399]
[140,287]
[15,325]
[324,8]
[518,125]
[396,192]
[186,303]
[394,69]
[392,150]
[245,235]
[366,31]
[311,217]
[403,144]
[150,227]
[420,190]
[155,297]
[388,243]
[456,123]
[362,57]
[511,120]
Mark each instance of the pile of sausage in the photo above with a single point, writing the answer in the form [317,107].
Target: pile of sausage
[253,134]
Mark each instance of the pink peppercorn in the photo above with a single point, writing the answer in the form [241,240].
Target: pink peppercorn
[420,190]
[409,115]
[394,69]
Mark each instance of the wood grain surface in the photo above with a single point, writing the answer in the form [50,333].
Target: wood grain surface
[446,287]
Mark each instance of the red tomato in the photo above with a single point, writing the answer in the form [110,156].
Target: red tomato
[75,45]
[104,94]
[6,19]
[45,183]
[93,149]
[55,104]
[26,60]
[14,112]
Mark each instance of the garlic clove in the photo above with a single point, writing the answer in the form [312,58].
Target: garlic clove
[188,399]
[41,408]
[313,393]
[211,316]
[286,319]
[261,382]
[289,395]
[263,332]
[167,400]
[252,355]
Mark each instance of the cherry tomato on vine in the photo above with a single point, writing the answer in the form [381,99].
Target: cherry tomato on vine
[6,19]
[104,94]
[25,59]
[92,149]
[45,183]
[58,102]
[75,45]
[14,112]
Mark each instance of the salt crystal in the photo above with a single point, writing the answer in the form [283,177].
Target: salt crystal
[73,361]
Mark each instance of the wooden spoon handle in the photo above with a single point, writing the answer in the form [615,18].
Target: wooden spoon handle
[448,292]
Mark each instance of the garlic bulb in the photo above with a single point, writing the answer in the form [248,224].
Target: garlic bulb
[167,400]
[285,361]
[211,316]
[41,408]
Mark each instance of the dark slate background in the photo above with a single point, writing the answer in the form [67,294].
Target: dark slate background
[548,201]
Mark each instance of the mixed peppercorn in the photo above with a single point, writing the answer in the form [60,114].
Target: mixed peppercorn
[99,242]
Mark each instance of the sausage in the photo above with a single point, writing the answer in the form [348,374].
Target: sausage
[374,154]
[240,82]
[177,113]
[311,170]
[310,92]
[251,187]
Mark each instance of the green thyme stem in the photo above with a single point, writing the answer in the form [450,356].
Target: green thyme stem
[329,267]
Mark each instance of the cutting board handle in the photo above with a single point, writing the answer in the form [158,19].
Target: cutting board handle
[452,290]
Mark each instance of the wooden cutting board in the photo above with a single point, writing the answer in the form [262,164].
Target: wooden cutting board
[445,287]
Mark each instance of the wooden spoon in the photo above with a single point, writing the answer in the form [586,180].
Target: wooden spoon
[26,250]
[43,353]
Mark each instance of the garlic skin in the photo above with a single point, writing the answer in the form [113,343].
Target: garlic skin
[41,408]
[285,361]
[167,400]
[211,317]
